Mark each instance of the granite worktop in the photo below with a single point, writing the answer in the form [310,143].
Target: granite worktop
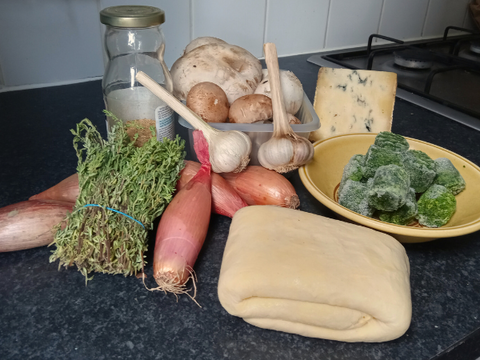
[47,313]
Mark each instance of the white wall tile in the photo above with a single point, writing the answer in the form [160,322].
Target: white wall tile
[443,13]
[49,41]
[296,27]
[2,81]
[350,22]
[403,19]
[176,28]
[239,23]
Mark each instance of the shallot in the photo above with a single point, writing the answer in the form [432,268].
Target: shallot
[225,200]
[259,186]
[29,224]
[183,227]
[66,190]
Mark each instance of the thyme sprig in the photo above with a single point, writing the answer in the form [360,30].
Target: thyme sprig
[138,181]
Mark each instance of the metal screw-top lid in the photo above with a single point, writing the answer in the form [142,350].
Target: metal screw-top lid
[134,16]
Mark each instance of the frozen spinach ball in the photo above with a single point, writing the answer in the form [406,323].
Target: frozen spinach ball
[377,156]
[403,215]
[353,170]
[391,141]
[389,189]
[449,176]
[421,169]
[354,197]
[436,206]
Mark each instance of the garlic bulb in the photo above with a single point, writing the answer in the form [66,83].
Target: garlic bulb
[229,150]
[285,151]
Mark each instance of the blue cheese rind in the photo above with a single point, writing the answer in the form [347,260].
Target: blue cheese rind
[353,101]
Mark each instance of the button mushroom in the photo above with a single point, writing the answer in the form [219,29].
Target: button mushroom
[209,101]
[231,67]
[249,109]
[291,88]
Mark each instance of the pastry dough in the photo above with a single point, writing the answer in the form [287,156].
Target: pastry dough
[301,273]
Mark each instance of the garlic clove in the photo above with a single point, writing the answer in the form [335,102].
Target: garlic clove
[303,151]
[276,153]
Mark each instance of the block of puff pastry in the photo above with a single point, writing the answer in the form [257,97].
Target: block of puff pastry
[302,273]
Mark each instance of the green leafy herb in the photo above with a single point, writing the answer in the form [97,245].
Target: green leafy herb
[115,174]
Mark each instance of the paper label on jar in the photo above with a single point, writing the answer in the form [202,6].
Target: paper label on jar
[164,123]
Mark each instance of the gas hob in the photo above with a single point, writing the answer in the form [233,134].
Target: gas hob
[442,75]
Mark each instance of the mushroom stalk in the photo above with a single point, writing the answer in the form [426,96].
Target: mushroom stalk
[229,150]
[285,151]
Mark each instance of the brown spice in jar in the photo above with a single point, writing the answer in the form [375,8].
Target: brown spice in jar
[142,127]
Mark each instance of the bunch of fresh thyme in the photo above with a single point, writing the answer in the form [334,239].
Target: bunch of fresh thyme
[116,176]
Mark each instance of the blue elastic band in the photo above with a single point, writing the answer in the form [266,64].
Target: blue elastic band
[105,207]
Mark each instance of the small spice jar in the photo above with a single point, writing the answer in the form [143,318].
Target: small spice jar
[134,42]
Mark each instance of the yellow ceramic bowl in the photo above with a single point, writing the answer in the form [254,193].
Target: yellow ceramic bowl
[322,175]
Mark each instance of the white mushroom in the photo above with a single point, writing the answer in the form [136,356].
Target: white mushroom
[291,87]
[231,67]
[203,40]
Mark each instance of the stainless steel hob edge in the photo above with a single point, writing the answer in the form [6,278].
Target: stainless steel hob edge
[450,113]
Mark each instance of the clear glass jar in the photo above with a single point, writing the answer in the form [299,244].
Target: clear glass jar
[133,42]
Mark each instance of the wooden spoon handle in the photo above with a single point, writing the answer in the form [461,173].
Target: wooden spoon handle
[280,117]
[176,105]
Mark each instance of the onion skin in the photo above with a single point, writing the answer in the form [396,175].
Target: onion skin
[259,186]
[225,199]
[183,227]
[28,224]
[66,190]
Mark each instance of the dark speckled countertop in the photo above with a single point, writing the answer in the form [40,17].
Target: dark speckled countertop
[50,314]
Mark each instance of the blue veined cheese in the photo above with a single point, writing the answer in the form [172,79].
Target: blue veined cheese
[353,101]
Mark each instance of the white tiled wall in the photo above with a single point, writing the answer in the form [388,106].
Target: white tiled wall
[51,42]
[403,19]
[297,27]
[442,13]
[237,22]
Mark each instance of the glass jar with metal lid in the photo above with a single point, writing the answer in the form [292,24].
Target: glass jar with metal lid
[134,42]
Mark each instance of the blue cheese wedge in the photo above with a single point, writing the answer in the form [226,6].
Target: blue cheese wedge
[353,101]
